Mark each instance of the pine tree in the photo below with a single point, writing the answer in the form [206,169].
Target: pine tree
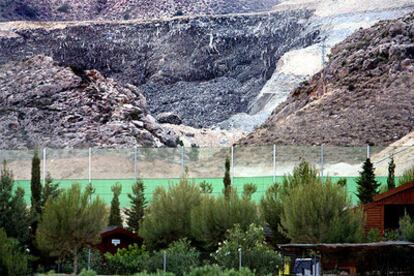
[70,222]
[36,186]
[50,190]
[391,174]
[367,185]
[115,218]
[138,204]
[14,216]
[227,178]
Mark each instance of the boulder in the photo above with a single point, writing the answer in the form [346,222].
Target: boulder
[169,118]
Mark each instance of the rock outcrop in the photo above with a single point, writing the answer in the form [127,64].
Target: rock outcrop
[365,95]
[204,69]
[43,104]
[58,10]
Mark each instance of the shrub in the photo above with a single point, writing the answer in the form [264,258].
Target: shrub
[85,272]
[64,8]
[158,273]
[256,255]
[181,257]
[168,217]
[271,210]
[97,262]
[407,177]
[206,188]
[248,190]
[392,235]
[373,235]
[216,215]
[303,174]
[407,228]
[314,212]
[215,270]
[13,261]
[128,260]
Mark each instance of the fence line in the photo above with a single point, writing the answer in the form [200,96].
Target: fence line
[203,162]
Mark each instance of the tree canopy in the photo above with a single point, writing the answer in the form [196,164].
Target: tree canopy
[71,221]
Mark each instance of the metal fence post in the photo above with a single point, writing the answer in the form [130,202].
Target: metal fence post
[322,159]
[135,162]
[164,266]
[274,163]
[232,164]
[182,160]
[44,165]
[90,165]
[368,152]
[240,258]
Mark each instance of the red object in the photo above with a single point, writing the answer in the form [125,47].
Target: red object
[113,238]
[387,208]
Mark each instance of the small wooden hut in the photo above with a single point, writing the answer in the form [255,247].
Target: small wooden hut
[387,208]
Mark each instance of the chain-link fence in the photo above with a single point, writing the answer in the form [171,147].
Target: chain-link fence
[259,165]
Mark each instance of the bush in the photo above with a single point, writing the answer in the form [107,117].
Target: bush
[407,177]
[13,261]
[271,210]
[392,235]
[168,217]
[128,260]
[216,215]
[65,8]
[85,272]
[256,255]
[373,235]
[407,228]
[158,273]
[97,262]
[214,270]
[181,257]
[315,212]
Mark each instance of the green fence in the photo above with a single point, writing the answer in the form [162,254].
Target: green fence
[103,186]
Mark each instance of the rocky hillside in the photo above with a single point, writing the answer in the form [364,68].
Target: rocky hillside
[204,69]
[368,96]
[58,10]
[48,105]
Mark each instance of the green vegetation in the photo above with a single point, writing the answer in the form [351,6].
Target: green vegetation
[227,178]
[36,190]
[115,218]
[320,212]
[407,177]
[14,215]
[138,203]
[215,270]
[271,209]
[187,225]
[367,184]
[13,260]
[70,222]
[214,216]
[407,228]
[168,216]
[391,175]
[128,260]
[250,245]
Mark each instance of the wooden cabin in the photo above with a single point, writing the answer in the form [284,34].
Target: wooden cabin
[114,238]
[387,208]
